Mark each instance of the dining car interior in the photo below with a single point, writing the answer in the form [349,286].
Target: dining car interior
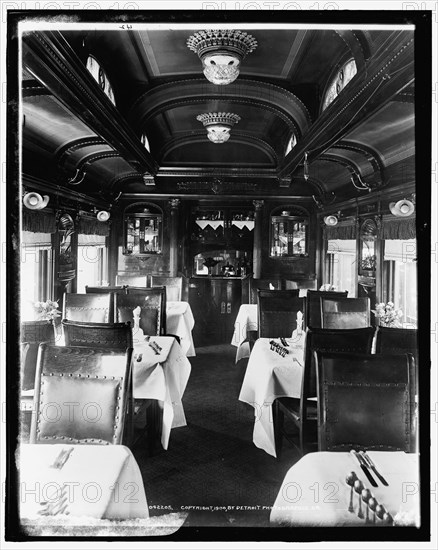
[216,239]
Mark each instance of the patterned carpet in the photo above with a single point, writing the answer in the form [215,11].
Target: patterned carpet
[212,463]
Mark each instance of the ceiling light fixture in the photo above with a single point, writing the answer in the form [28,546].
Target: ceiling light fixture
[218,125]
[221,52]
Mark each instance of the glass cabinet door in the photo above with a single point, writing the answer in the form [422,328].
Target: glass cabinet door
[368,235]
[143,233]
[288,236]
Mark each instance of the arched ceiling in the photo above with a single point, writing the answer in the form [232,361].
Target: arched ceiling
[73,136]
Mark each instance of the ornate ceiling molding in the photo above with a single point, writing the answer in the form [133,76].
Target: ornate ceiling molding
[371,155]
[116,183]
[48,57]
[167,96]
[369,91]
[199,137]
[179,172]
[87,160]
[63,152]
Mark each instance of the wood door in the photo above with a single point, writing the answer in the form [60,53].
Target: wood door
[215,304]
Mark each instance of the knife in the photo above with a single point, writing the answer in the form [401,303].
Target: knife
[373,467]
[364,467]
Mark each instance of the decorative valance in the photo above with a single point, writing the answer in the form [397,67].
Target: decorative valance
[91,226]
[345,229]
[398,228]
[38,221]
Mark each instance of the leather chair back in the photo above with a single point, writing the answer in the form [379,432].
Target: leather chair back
[120,289]
[132,279]
[396,340]
[113,290]
[277,312]
[81,395]
[358,340]
[152,302]
[391,341]
[363,402]
[29,355]
[173,286]
[313,304]
[33,333]
[345,313]
[113,335]
[93,308]
[37,331]
[263,284]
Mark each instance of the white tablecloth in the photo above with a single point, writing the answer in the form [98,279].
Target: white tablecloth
[180,321]
[162,377]
[268,376]
[314,492]
[99,481]
[246,320]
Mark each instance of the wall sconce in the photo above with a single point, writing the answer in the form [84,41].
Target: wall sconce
[402,209]
[34,201]
[331,220]
[103,216]
[221,52]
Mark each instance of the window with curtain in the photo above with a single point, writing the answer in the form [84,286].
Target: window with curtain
[92,261]
[400,278]
[36,272]
[341,265]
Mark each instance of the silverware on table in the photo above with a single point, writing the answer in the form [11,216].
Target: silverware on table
[364,468]
[62,458]
[371,465]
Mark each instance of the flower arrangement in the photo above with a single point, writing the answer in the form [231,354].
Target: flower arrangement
[327,287]
[47,310]
[388,315]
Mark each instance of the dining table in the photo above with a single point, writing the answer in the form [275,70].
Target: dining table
[315,491]
[160,371]
[275,369]
[94,481]
[247,321]
[180,321]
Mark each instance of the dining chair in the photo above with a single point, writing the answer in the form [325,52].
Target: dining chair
[263,284]
[81,395]
[313,304]
[152,302]
[392,341]
[302,412]
[343,313]
[132,279]
[277,312]
[120,289]
[114,335]
[173,286]
[113,290]
[37,331]
[93,308]
[364,401]
[32,334]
